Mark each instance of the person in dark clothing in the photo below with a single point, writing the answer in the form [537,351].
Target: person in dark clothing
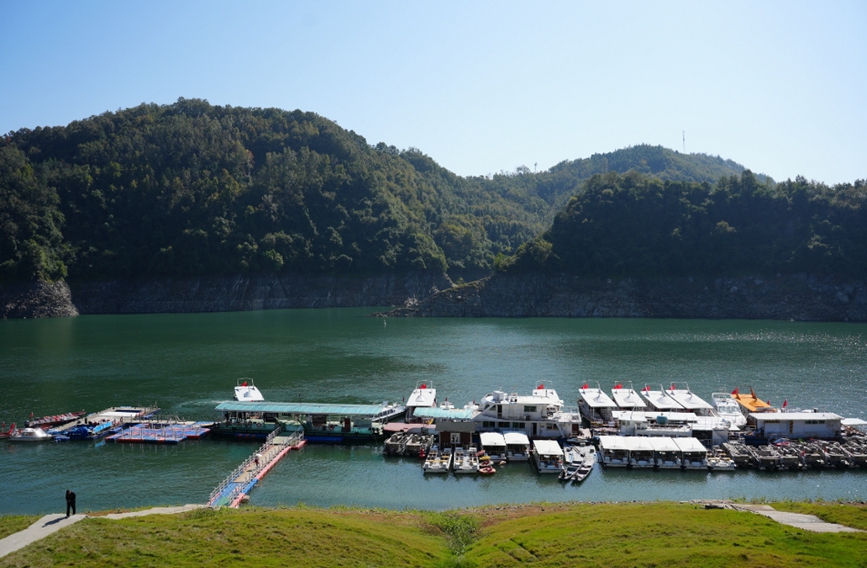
[70,502]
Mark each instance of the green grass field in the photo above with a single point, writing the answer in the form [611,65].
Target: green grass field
[561,534]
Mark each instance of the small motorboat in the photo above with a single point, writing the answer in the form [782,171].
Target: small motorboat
[48,422]
[246,391]
[30,435]
[569,471]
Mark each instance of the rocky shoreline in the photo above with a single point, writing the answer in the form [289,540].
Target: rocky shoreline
[215,294]
[797,297]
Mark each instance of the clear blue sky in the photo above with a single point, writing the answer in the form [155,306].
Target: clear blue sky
[481,87]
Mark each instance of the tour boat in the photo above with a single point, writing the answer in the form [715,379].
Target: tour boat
[539,415]
[437,462]
[726,407]
[47,422]
[517,446]
[423,396]
[627,398]
[389,412]
[595,405]
[30,435]
[548,456]
[689,401]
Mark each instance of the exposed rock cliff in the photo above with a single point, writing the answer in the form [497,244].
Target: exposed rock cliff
[221,294]
[800,297]
[36,300]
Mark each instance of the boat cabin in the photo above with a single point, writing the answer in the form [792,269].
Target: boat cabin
[627,398]
[666,454]
[614,451]
[797,424]
[660,401]
[693,453]
[494,445]
[539,415]
[595,405]
[640,452]
[517,446]
[548,456]
[423,396]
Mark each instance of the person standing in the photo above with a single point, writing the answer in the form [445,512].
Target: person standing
[70,502]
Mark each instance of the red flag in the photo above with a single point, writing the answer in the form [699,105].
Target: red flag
[618,386]
[31,416]
[584,386]
[672,386]
[245,384]
[646,388]
[424,385]
[736,391]
[785,403]
[541,386]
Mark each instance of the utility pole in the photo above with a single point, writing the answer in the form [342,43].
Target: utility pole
[684,141]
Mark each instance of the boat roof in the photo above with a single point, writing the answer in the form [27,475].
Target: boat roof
[539,396]
[853,422]
[613,443]
[663,444]
[627,398]
[751,402]
[492,439]
[547,448]
[659,400]
[689,445]
[423,395]
[795,416]
[639,443]
[596,398]
[516,438]
[301,408]
[450,413]
[688,400]
[648,415]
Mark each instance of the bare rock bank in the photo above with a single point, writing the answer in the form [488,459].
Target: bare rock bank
[222,294]
[36,300]
[798,297]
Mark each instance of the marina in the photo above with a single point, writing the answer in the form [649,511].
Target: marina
[362,473]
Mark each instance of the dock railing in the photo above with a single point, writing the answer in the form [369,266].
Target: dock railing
[267,452]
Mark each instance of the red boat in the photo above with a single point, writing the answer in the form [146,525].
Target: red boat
[50,421]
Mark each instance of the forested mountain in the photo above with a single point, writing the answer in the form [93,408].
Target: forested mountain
[634,225]
[192,189]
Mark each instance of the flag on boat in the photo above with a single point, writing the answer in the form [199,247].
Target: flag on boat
[785,403]
[672,386]
[646,388]
[541,386]
[245,384]
[618,386]
[584,386]
[736,391]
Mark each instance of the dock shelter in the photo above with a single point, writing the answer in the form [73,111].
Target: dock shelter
[640,451]
[797,424]
[666,454]
[494,445]
[693,453]
[614,450]
[517,446]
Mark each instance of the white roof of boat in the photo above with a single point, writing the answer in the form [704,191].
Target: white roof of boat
[422,396]
[688,399]
[639,443]
[595,398]
[613,443]
[663,444]
[660,400]
[547,448]
[853,422]
[492,439]
[516,438]
[447,413]
[689,445]
[648,415]
[627,398]
[795,416]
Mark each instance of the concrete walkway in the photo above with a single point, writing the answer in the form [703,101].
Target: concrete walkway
[50,524]
[799,520]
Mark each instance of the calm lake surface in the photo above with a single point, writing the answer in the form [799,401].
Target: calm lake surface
[188,363]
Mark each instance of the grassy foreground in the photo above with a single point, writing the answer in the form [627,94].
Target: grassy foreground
[562,534]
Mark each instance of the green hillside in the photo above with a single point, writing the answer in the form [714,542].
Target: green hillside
[192,189]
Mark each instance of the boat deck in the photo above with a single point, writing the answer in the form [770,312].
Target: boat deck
[161,433]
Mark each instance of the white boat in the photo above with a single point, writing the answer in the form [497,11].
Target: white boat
[548,456]
[465,461]
[689,401]
[517,446]
[437,462]
[640,452]
[595,405]
[659,401]
[30,435]
[693,453]
[389,412]
[246,391]
[494,445]
[627,398]
[614,451]
[539,415]
[422,396]
[587,461]
[717,460]
[666,454]
[725,406]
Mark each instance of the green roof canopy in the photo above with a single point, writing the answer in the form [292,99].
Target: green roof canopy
[301,408]
[453,413]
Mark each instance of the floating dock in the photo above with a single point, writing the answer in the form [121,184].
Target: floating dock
[161,433]
[239,483]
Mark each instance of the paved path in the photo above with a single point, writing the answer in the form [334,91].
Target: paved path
[807,522]
[52,523]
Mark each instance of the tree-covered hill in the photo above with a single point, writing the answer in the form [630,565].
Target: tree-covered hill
[192,189]
[634,225]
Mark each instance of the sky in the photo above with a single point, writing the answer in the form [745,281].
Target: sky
[479,86]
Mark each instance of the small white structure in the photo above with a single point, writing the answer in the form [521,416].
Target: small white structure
[797,424]
[666,454]
[595,405]
[517,446]
[548,456]
[494,445]
[246,391]
[640,452]
[614,451]
[658,400]
[693,453]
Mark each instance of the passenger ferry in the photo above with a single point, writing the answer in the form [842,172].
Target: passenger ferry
[539,415]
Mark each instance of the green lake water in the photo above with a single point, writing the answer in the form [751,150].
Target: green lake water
[188,363]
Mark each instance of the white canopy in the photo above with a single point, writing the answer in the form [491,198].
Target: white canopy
[853,422]
[516,438]
[595,398]
[689,445]
[613,443]
[663,444]
[547,448]
[492,439]
[639,444]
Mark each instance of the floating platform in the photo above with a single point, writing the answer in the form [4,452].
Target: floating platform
[161,433]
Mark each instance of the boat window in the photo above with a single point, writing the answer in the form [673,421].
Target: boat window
[529,408]
[518,425]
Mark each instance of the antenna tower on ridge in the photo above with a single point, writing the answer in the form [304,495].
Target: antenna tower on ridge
[684,141]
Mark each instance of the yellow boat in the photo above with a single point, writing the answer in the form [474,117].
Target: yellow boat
[751,403]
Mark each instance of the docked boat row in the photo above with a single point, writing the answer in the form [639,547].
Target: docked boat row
[80,425]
